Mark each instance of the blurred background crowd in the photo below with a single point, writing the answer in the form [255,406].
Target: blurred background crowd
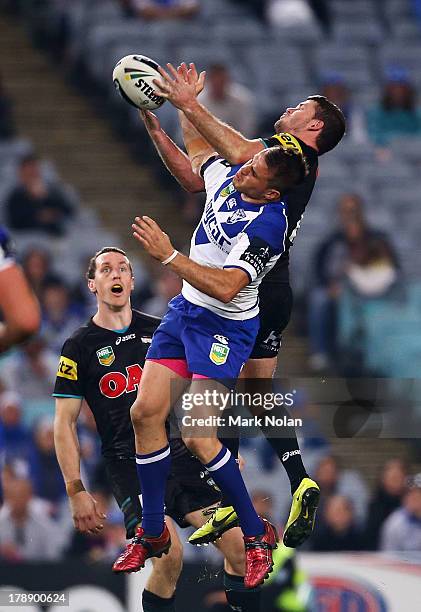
[355,261]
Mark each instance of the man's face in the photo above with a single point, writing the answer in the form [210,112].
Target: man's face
[253,178]
[113,282]
[298,118]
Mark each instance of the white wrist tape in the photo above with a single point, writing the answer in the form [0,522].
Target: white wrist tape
[170,258]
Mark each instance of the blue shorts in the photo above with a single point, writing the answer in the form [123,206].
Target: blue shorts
[212,346]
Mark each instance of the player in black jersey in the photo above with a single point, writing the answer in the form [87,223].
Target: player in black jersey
[102,363]
[314,127]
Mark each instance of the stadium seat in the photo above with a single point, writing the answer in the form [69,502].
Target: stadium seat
[406,56]
[355,10]
[364,32]
[245,31]
[304,34]
[352,63]
[406,30]
[220,10]
[274,65]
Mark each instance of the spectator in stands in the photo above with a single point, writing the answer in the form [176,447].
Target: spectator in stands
[162,9]
[16,439]
[35,205]
[297,12]
[402,530]
[355,253]
[372,270]
[387,499]
[59,316]
[397,113]
[26,532]
[229,101]
[334,87]
[334,481]
[337,529]
[45,472]
[7,126]
[29,372]
[36,264]
[166,287]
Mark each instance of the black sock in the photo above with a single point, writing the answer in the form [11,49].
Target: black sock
[287,450]
[154,603]
[286,446]
[240,598]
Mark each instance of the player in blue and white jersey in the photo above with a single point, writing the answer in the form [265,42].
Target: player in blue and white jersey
[19,307]
[209,332]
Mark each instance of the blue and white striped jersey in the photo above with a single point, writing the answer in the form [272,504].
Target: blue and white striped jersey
[235,234]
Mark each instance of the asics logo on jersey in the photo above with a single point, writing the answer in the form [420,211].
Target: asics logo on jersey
[121,339]
[114,384]
[289,454]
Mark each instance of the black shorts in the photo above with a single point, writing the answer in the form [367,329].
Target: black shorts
[189,487]
[275,303]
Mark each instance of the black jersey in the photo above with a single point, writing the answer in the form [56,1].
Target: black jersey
[104,367]
[296,200]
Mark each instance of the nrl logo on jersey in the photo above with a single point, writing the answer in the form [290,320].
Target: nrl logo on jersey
[238,215]
[227,191]
[106,356]
[219,353]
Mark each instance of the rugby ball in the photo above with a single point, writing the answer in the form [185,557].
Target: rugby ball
[133,77]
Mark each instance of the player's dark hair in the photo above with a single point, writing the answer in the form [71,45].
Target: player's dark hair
[90,274]
[334,123]
[289,167]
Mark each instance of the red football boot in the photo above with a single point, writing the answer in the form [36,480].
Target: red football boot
[142,548]
[259,555]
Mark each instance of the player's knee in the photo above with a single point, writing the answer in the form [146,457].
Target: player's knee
[142,410]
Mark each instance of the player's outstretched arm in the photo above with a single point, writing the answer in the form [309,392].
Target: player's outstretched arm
[19,308]
[181,91]
[197,148]
[174,159]
[85,513]
[222,285]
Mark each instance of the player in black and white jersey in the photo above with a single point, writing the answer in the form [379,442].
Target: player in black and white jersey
[313,127]
[102,364]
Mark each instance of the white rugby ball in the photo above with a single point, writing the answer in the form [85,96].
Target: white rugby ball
[133,76]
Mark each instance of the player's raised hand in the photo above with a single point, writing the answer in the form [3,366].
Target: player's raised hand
[190,75]
[150,120]
[85,513]
[152,238]
[174,87]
